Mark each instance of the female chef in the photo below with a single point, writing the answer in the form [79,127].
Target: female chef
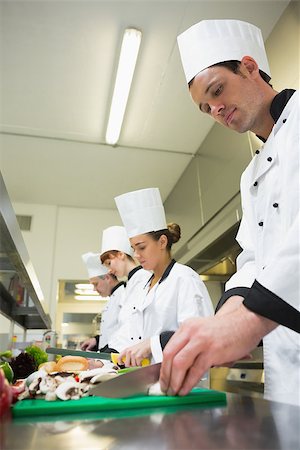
[116,255]
[174,292]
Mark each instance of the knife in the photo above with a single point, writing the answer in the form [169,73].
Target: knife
[88,354]
[130,383]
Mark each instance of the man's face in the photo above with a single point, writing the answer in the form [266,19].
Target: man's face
[231,99]
[101,285]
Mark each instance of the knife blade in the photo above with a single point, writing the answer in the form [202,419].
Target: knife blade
[130,383]
[87,354]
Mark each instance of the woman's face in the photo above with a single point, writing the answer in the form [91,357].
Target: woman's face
[147,251]
[116,265]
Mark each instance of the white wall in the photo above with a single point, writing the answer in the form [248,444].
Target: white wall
[40,242]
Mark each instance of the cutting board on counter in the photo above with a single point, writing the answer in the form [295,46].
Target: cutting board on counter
[38,407]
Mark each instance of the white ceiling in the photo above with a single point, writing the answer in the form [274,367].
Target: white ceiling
[58,65]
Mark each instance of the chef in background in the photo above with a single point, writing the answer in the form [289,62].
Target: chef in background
[107,285]
[174,292]
[116,256]
[228,75]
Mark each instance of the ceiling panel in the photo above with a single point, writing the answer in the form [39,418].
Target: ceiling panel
[58,66]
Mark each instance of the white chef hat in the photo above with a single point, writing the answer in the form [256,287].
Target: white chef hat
[115,238]
[141,211]
[213,41]
[93,264]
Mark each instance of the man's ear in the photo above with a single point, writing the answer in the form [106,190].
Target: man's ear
[249,65]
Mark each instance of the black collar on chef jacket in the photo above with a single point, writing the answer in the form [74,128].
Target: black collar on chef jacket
[278,104]
[165,274]
[132,272]
[122,283]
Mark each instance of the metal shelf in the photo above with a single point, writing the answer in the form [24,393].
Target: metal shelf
[14,258]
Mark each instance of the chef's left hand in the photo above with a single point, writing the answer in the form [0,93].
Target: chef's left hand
[133,356]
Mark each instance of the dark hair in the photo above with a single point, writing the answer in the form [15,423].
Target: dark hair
[173,233]
[112,254]
[234,66]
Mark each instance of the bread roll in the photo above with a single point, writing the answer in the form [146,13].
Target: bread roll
[49,366]
[72,364]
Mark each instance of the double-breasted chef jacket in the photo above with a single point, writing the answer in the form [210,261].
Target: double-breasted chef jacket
[109,317]
[268,268]
[137,278]
[110,314]
[179,294]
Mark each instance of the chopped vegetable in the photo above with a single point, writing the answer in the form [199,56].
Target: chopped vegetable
[7,354]
[8,372]
[38,355]
[22,366]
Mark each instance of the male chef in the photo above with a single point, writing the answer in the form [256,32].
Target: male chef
[107,285]
[227,72]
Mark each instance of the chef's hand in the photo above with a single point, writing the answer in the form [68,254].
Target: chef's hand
[202,343]
[88,344]
[133,356]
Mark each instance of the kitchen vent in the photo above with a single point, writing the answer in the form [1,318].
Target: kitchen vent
[225,246]
[24,222]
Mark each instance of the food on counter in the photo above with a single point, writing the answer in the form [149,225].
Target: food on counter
[39,356]
[6,396]
[23,365]
[98,375]
[95,363]
[8,372]
[49,366]
[155,390]
[72,363]
[64,385]
[6,354]
[114,358]
[70,390]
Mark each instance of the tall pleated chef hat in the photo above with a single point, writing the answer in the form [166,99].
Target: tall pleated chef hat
[141,211]
[213,41]
[93,264]
[115,238]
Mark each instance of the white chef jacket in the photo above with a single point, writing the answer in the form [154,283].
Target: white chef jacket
[179,295]
[137,279]
[110,314]
[269,265]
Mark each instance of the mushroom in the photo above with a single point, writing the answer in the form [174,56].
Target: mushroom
[69,390]
[91,374]
[34,387]
[104,376]
[47,384]
[50,396]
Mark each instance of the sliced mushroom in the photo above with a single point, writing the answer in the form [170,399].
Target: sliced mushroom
[69,390]
[103,377]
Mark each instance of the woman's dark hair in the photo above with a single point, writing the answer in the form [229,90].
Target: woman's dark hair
[112,254]
[234,66]
[173,233]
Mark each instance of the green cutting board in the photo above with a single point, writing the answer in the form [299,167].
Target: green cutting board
[36,407]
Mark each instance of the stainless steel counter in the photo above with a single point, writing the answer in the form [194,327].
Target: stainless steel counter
[244,423]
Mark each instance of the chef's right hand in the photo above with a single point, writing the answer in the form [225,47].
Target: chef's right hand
[88,344]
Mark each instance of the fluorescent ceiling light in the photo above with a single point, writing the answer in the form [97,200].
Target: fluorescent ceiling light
[84,286]
[90,297]
[128,57]
[86,292]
